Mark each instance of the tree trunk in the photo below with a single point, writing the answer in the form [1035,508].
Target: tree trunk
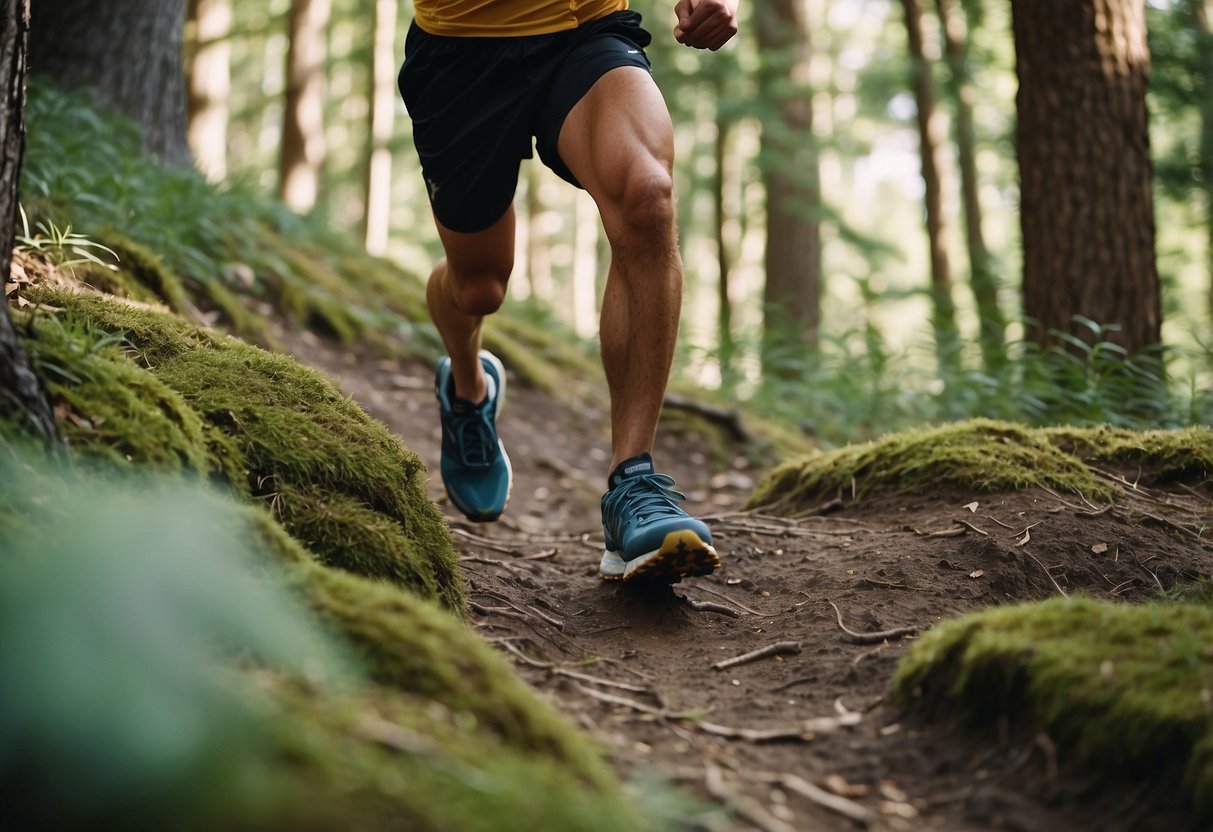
[22,398]
[303,143]
[992,325]
[792,291]
[129,52]
[726,346]
[930,138]
[209,84]
[1202,18]
[1087,209]
[382,109]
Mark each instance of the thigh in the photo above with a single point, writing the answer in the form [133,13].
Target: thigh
[620,131]
[488,253]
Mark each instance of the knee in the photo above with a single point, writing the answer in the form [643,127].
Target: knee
[482,292]
[645,205]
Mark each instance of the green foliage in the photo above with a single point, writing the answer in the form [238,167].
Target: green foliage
[987,456]
[1123,690]
[118,603]
[857,386]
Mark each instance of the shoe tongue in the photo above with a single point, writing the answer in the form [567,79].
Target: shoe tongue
[636,466]
[462,407]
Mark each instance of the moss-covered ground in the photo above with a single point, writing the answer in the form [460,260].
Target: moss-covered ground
[1126,692]
[986,456]
[443,736]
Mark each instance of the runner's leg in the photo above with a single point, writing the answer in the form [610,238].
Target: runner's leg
[619,143]
[466,285]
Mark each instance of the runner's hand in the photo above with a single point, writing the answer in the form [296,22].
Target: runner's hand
[705,24]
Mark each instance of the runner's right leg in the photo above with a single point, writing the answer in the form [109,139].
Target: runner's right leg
[470,384]
[466,285]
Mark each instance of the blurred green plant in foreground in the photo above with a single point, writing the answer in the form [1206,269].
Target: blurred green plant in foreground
[126,607]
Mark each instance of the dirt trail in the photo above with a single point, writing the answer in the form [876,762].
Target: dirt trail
[801,740]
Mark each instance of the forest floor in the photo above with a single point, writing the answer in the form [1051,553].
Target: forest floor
[805,739]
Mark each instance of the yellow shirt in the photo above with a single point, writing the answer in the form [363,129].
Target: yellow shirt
[508,18]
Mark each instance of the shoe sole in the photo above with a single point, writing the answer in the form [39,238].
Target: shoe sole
[682,554]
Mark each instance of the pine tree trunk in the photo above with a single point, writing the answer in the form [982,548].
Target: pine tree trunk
[991,324]
[209,84]
[382,108]
[1087,208]
[303,141]
[22,398]
[1202,18]
[930,138]
[792,291]
[129,52]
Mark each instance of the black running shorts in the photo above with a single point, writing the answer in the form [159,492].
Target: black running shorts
[477,102]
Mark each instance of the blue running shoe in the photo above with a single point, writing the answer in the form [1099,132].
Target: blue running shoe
[648,536]
[475,468]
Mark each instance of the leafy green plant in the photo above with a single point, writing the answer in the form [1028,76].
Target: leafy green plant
[61,246]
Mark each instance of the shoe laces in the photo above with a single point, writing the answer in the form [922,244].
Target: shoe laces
[475,437]
[646,498]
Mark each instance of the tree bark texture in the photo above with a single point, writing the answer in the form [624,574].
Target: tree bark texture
[930,140]
[792,291]
[378,176]
[209,83]
[22,397]
[991,323]
[1087,208]
[303,141]
[129,52]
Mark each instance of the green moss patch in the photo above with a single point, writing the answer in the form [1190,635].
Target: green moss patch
[181,397]
[987,456]
[236,710]
[1126,692]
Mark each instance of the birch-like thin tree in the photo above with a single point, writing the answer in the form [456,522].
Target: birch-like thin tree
[209,84]
[382,96]
[930,141]
[303,140]
[991,323]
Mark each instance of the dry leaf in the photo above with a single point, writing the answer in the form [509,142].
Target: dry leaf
[892,792]
[972,506]
[1099,548]
[838,784]
[977,574]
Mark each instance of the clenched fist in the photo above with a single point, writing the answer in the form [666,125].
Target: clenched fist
[705,24]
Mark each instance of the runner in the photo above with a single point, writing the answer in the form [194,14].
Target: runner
[481,78]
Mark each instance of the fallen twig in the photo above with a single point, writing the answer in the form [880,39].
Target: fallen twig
[752,812]
[941,533]
[871,638]
[781,648]
[585,677]
[835,803]
[710,606]
[805,729]
[555,622]
[1039,563]
[732,601]
[971,526]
